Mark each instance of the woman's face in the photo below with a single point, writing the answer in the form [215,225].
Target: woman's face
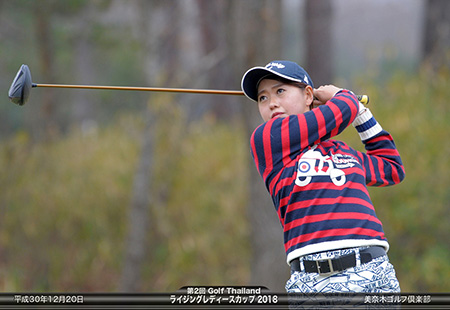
[278,99]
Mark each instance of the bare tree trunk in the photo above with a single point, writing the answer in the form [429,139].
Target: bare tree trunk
[84,67]
[139,215]
[319,41]
[155,36]
[262,44]
[82,108]
[45,46]
[436,44]
[216,47]
[139,210]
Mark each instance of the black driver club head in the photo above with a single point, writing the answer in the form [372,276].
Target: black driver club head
[21,86]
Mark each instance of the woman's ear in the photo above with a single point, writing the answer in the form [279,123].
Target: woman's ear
[309,93]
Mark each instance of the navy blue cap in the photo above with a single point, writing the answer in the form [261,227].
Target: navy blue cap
[285,69]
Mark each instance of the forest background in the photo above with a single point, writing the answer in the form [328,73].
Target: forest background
[106,191]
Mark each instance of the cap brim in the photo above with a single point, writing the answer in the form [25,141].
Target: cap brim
[251,79]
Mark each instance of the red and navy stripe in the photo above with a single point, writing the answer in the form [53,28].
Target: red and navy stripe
[321,211]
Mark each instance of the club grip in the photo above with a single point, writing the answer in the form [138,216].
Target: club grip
[364,99]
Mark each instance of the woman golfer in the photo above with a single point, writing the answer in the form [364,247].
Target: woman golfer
[333,239]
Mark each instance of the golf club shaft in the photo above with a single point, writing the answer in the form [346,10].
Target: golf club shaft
[157,89]
[362,98]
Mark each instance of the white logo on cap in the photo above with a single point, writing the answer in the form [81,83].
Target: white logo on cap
[306,79]
[275,64]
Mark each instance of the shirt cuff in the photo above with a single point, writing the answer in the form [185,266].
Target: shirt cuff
[366,125]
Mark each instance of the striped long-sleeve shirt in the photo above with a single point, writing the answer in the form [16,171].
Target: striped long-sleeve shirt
[318,185]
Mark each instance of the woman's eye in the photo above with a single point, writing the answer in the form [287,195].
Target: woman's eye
[262,98]
[280,90]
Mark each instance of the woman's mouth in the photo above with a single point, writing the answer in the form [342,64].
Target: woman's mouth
[276,114]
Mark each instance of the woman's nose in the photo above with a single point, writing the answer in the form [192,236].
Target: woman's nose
[273,103]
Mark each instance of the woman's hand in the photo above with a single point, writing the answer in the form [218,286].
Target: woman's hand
[324,93]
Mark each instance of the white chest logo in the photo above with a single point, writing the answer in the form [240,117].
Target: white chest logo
[313,163]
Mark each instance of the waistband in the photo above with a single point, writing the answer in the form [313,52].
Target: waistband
[308,264]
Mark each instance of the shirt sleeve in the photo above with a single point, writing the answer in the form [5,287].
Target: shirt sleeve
[382,163]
